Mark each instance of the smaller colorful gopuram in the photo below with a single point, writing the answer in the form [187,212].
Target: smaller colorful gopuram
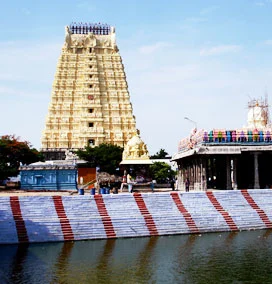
[136,157]
[229,158]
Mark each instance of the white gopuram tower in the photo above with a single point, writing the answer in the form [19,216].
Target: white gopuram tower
[258,114]
[90,102]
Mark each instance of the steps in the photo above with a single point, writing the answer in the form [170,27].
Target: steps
[147,216]
[223,212]
[106,219]
[19,221]
[187,216]
[64,222]
[64,218]
[260,212]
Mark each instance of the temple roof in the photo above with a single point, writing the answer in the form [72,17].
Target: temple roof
[222,149]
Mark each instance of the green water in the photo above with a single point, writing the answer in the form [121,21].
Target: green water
[244,257]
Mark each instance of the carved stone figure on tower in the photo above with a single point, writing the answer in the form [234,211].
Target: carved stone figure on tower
[69,155]
[67,37]
[90,40]
[113,39]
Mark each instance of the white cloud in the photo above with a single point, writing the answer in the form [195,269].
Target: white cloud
[268,42]
[147,49]
[220,49]
[36,61]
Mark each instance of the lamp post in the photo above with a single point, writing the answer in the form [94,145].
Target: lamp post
[191,121]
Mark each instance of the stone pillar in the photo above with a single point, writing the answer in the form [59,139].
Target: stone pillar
[228,172]
[234,173]
[256,171]
[198,175]
[201,175]
[204,174]
[195,175]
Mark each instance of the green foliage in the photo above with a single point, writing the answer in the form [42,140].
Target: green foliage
[161,172]
[160,155]
[106,156]
[13,152]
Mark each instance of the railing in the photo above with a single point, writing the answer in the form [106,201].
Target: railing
[226,136]
[97,29]
[87,184]
[237,136]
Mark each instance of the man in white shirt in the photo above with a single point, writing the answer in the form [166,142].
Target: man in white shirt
[129,183]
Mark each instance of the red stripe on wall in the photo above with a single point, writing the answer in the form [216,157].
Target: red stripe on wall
[106,219]
[187,216]
[67,231]
[145,213]
[260,212]
[18,218]
[222,211]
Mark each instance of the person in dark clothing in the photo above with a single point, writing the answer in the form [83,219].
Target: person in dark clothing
[152,185]
[187,185]
[172,183]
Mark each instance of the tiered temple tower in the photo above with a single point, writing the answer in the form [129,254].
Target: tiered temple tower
[90,102]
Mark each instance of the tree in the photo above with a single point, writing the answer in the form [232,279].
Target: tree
[105,156]
[161,172]
[162,154]
[13,153]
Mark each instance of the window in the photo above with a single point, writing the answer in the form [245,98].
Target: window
[91,86]
[91,66]
[91,76]
[91,142]
[90,124]
[90,110]
[90,50]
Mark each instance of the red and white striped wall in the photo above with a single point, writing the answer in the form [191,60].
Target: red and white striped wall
[29,219]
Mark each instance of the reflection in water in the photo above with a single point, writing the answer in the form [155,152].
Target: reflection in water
[267,233]
[145,263]
[18,264]
[104,263]
[61,266]
[243,257]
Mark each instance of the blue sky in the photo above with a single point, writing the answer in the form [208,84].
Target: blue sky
[198,59]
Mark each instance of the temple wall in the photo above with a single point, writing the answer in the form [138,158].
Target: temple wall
[63,218]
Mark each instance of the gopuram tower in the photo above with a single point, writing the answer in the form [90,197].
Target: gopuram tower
[90,102]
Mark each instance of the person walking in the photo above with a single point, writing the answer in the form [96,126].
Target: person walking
[172,183]
[152,185]
[124,181]
[129,183]
[187,185]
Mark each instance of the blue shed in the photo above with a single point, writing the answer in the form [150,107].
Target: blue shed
[47,176]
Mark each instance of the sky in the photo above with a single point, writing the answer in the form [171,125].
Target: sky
[200,59]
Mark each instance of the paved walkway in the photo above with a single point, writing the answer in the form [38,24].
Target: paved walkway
[19,192]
